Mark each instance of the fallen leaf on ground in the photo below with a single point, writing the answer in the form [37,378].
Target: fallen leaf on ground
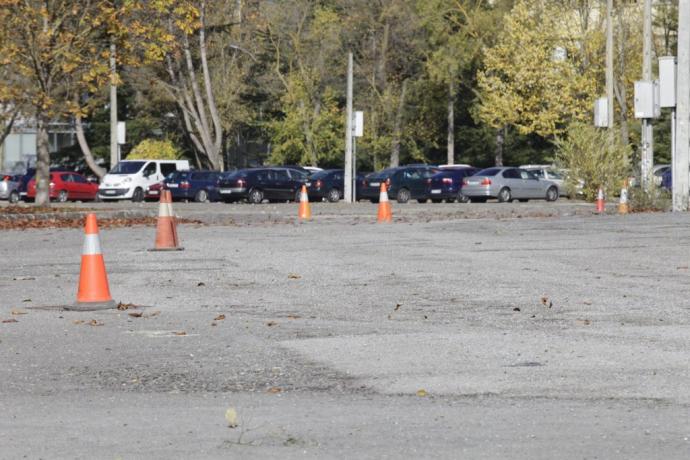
[179,333]
[546,302]
[293,317]
[584,322]
[271,323]
[231,417]
[397,306]
[213,324]
[95,322]
[152,314]
[587,302]
[294,276]
[125,306]
[275,390]
[26,300]
[516,309]
[135,314]
[12,320]
[16,311]
[422,392]
[30,278]
[682,267]
[219,318]
[200,283]
[78,321]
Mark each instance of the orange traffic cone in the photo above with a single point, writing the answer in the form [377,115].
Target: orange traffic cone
[385,213]
[93,293]
[304,208]
[600,201]
[166,227]
[623,203]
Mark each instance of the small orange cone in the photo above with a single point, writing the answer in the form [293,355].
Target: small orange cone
[623,203]
[93,293]
[166,226]
[600,201]
[385,213]
[304,208]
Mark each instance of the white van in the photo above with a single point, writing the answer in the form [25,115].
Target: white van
[130,179]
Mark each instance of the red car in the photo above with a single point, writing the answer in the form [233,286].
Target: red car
[66,185]
[154,192]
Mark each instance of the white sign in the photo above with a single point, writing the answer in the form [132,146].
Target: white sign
[601,113]
[121,132]
[359,124]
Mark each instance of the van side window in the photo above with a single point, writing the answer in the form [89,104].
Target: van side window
[149,170]
[167,168]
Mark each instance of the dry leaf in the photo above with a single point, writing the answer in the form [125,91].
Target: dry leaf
[397,306]
[23,278]
[422,392]
[200,283]
[78,321]
[584,322]
[682,267]
[219,318]
[213,324]
[293,317]
[12,320]
[16,311]
[231,417]
[271,323]
[179,333]
[587,302]
[125,306]
[274,390]
[135,314]
[516,309]
[26,300]
[95,322]
[546,302]
[294,276]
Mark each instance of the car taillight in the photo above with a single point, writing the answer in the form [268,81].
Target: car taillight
[184,184]
[464,182]
[6,178]
[318,184]
[486,181]
[240,183]
[447,180]
[388,182]
[52,184]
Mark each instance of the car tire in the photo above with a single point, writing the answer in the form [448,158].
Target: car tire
[523,200]
[403,195]
[504,195]
[14,198]
[138,195]
[62,196]
[333,195]
[552,194]
[435,201]
[201,196]
[298,195]
[462,198]
[255,196]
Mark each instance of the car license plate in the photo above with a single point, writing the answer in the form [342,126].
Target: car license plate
[308,184]
[110,192]
[172,185]
[153,192]
[472,182]
[225,191]
[436,191]
[375,184]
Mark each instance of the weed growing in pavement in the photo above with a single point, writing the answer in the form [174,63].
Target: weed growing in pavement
[657,199]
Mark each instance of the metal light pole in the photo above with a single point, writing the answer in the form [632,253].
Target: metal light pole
[609,63]
[681,162]
[347,192]
[647,138]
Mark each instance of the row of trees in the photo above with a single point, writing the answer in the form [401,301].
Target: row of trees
[473,81]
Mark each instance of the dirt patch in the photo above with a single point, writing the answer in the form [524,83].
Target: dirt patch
[22,223]
[25,210]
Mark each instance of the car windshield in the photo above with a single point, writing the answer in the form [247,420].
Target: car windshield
[488,172]
[177,175]
[382,174]
[321,174]
[235,175]
[127,167]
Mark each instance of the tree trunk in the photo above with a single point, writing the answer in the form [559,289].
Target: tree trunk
[217,146]
[500,142]
[397,128]
[621,93]
[451,122]
[43,162]
[88,156]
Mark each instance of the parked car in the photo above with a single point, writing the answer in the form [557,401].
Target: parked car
[329,184]
[404,183]
[200,186]
[259,184]
[153,193]
[658,173]
[508,184]
[66,185]
[9,187]
[447,184]
[550,173]
[130,179]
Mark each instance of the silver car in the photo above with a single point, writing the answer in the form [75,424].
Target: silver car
[9,188]
[548,172]
[508,184]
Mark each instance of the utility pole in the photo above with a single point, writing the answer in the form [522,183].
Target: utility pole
[647,138]
[347,192]
[681,162]
[609,64]
[114,148]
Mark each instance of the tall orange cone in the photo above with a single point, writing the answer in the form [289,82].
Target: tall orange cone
[166,226]
[601,206]
[93,293]
[385,213]
[623,203]
[304,207]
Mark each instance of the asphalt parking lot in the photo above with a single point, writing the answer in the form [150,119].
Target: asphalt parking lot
[533,331]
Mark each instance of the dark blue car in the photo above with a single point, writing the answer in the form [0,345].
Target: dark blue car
[329,184]
[447,184]
[199,186]
[667,179]
[258,184]
[404,183]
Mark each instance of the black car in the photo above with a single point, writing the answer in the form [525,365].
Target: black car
[329,184]
[200,186]
[447,184]
[404,183]
[259,184]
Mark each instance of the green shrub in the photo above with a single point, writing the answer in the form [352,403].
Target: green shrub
[657,199]
[595,156]
[154,149]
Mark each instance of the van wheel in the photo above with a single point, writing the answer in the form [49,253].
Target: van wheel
[333,195]
[255,196]
[403,195]
[201,196]
[138,195]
